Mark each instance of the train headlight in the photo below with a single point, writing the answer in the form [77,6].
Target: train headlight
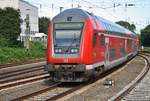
[74,50]
[58,50]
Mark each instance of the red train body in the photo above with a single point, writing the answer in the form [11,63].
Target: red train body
[81,45]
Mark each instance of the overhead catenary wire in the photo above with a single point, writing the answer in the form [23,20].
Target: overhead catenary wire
[103,8]
[104,5]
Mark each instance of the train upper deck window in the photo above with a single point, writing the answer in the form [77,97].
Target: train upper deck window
[102,40]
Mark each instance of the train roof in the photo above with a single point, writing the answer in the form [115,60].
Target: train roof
[76,15]
[79,15]
[111,26]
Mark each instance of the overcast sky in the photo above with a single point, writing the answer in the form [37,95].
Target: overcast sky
[137,14]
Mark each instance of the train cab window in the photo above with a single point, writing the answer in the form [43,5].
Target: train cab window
[94,39]
[102,40]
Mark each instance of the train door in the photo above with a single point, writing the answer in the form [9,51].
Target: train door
[107,50]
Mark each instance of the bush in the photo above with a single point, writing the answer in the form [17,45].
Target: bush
[145,36]
[147,49]
[37,45]
[13,55]
[43,24]
[9,27]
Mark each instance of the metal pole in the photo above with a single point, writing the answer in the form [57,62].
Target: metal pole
[72,4]
[61,8]
[52,9]
[27,30]
[114,7]
[126,7]
[126,12]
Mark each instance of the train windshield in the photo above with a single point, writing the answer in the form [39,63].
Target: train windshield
[68,34]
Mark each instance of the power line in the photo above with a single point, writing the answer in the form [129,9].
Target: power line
[103,8]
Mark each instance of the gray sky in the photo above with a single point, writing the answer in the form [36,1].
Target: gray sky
[138,14]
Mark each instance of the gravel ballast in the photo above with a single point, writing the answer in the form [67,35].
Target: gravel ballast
[100,92]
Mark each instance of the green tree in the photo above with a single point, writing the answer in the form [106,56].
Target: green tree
[127,25]
[145,36]
[9,26]
[43,24]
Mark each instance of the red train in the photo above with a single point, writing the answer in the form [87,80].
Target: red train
[81,45]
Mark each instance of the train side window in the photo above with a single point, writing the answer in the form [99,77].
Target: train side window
[94,39]
[122,51]
[102,40]
[112,54]
[128,42]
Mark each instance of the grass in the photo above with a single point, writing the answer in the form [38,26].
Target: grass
[13,55]
[147,49]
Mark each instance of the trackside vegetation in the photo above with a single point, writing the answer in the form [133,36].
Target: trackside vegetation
[145,36]
[9,27]
[12,50]
[145,33]
[147,49]
[14,55]
[43,25]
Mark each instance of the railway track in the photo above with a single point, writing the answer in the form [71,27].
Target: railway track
[61,90]
[21,63]
[50,88]
[132,92]
[99,92]
[18,75]
[146,53]
[29,87]
[53,91]
[23,81]
[15,73]
[21,67]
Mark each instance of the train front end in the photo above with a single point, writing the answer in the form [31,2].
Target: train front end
[67,41]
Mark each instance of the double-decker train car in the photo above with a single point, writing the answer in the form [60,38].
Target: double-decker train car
[82,45]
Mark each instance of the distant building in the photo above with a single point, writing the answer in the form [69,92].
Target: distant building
[39,37]
[9,3]
[26,9]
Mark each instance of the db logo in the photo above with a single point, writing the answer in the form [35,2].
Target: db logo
[66,60]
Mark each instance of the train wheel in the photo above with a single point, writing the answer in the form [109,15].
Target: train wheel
[97,71]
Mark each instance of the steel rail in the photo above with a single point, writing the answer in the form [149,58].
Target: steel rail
[21,63]
[53,86]
[24,69]
[14,73]
[20,82]
[15,79]
[131,85]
